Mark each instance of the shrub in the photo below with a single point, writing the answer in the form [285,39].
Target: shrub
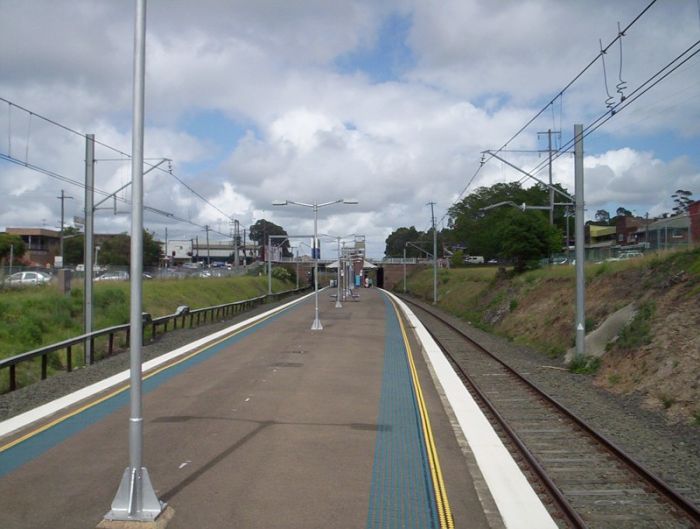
[281,273]
[584,365]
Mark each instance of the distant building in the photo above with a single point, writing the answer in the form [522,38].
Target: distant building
[665,233]
[42,245]
[694,214]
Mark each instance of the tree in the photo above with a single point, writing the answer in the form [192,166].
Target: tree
[526,237]
[682,200]
[396,242]
[623,212]
[73,246]
[116,250]
[260,231]
[602,216]
[13,243]
[477,229]
[457,259]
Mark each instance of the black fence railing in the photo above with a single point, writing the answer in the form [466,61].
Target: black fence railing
[191,318]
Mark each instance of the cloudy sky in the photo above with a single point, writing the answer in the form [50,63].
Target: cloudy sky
[390,102]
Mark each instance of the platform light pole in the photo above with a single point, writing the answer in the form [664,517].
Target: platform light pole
[136,499]
[316,325]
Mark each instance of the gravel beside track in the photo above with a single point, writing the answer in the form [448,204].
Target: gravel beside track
[671,451]
[60,384]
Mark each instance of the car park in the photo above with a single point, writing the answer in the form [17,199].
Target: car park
[27,278]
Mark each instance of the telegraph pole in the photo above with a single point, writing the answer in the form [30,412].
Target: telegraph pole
[167,257]
[432,218]
[236,231]
[62,198]
[208,252]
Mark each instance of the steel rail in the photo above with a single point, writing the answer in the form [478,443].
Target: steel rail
[660,486]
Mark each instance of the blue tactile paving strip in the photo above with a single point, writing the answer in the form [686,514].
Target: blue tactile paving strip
[402,493]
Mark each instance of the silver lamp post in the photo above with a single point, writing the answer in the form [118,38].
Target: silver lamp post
[316,325]
[136,499]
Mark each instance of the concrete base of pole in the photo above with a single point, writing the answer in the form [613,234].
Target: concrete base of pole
[338,305]
[159,523]
[316,325]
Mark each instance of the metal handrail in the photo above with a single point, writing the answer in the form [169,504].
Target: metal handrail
[201,315]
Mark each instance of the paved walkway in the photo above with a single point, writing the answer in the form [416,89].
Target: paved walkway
[274,426]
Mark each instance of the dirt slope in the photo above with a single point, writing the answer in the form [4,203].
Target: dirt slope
[658,355]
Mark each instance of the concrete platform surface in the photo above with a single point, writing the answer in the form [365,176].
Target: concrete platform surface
[277,426]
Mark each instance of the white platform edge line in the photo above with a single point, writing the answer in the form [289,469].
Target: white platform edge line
[24,419]
[519,505]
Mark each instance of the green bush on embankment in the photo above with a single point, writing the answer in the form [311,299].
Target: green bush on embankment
[36,316]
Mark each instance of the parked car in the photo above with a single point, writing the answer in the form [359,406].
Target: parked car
[624,256]
[117,275]
[630,255]
[474,259]
[27,278]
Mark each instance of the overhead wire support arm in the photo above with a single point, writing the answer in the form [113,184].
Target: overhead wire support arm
[555,189]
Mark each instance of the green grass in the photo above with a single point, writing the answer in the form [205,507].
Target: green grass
[586,365]
[37,316]
[614,379]
[636,333]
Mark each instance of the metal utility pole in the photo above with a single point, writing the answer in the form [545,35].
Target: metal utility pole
[236,230]
[206,228]
[89,240]
[167,257]
[136,499]
[62,198]
[404,268]
[269,265]
[432,218]
[580,242]
[245,257]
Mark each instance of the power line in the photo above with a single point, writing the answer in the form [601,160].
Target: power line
[80,184]
[558,97]
[612,110]
[113,149]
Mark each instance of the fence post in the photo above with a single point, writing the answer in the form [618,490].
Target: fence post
[13,378]
[44,365]
[69,359]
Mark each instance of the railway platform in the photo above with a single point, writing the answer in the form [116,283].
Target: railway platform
[268,424]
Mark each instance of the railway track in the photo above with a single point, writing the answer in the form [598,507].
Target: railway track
[591,483]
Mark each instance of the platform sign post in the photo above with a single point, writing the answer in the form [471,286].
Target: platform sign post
[136,499]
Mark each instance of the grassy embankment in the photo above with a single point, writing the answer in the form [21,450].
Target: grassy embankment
[35,316]
[657,354]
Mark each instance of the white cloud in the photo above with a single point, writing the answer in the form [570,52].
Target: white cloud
[481,71]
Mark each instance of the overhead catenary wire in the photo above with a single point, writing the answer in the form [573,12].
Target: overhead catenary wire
[102,144]
[63,178]
[559,96]
[643,88]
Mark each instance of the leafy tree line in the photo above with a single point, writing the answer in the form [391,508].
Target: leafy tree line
[507,232]
[114,250]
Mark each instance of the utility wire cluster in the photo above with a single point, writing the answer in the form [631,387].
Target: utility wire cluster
[126,156]
[613,105]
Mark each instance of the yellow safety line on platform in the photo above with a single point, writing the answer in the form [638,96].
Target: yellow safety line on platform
[123,389]
[443,505]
